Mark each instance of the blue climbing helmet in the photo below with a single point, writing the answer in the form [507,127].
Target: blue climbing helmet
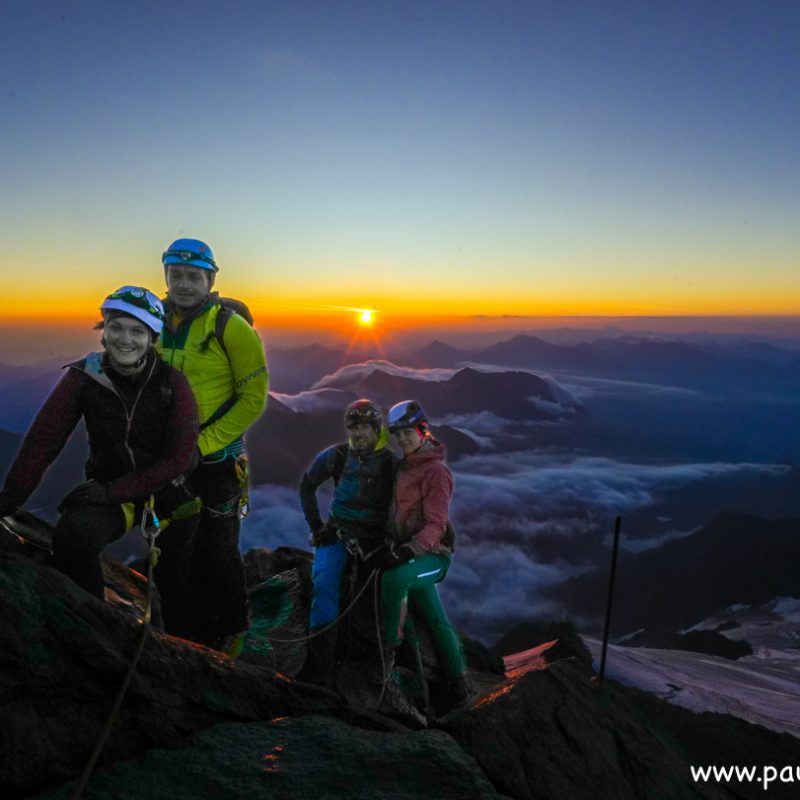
[138,302]
[406,414]
[191,252]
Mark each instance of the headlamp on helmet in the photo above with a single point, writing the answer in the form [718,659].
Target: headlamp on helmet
[191,253]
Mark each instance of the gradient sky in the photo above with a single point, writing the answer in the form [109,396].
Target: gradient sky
[441,159]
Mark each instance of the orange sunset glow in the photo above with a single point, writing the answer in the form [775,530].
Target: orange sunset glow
[80,304]
[538,195]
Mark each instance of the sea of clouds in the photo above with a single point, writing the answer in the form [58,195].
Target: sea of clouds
[527,517]
[526,522]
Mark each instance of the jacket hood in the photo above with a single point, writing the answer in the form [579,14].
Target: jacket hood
[430,450]
[96,366]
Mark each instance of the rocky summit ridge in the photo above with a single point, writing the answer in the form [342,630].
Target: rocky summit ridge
[197,724]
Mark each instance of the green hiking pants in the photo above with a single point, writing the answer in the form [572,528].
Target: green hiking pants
[413,585]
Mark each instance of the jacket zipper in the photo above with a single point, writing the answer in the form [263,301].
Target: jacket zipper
[129,414]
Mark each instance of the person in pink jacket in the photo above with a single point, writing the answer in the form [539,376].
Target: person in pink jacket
[421,543]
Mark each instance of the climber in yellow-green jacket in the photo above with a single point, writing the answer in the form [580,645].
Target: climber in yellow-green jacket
[222,357]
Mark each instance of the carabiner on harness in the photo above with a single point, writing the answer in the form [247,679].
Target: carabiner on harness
[150,528]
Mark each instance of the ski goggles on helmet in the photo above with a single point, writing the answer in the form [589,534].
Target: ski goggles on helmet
[136,296]
[137,302]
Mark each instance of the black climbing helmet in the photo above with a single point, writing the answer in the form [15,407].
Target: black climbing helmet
[363,411]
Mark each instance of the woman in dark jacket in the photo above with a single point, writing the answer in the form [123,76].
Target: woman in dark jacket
[141,420]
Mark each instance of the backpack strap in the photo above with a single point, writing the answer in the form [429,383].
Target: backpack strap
[227,308]
[223,315]
[339,459]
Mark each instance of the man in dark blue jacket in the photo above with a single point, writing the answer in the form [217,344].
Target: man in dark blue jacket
[362,470]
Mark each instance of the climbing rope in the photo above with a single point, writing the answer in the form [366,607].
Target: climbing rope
[384,675]
[338,619]
[150,532]
[371,578]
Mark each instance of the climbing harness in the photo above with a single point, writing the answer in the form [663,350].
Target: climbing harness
[150,528]
[183,511]
[230,508]
[239,504]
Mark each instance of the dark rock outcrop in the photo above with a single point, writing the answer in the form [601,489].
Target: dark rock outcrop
[299,759]
[553,734]
[63,656]
[529,634]
[197,724]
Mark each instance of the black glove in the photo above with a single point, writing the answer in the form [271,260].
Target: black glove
[324,536]
[7,506]
[90,493]
[394,558]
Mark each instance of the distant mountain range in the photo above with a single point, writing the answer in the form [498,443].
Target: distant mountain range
[735,559]
[739,366]
[283,441]
[745,367]
[23,389]
[621,423]
[294,369]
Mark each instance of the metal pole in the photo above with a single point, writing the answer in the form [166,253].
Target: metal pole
[615,549]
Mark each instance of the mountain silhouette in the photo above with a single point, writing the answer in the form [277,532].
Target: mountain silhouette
[294,369]
[435,354]
[735,559]
[531,351]
[24,388]
[507,394]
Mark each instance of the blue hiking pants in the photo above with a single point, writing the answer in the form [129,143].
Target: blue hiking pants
[329,563]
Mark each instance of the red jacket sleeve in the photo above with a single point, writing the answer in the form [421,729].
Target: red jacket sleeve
[180,449]
[46,437]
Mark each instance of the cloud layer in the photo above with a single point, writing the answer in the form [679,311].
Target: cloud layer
[315,400]
[353,373]
[525,523]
